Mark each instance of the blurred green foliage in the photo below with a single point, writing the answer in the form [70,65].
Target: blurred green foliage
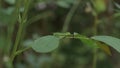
[46,17]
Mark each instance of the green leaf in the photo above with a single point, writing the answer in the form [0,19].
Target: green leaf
[99,6]
[45,44]
[4,17]
[86,40]
[117,5]
[70,1]
[10,1]
[111,41]
[63,4]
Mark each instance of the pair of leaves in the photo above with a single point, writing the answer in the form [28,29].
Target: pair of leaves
[49,43]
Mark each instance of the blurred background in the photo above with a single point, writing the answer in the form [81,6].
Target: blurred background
[48,16]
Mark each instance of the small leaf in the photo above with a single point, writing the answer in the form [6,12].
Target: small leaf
[99,6]
[4,17]
[117,5]
[111,41]
[70,1]
[45,44]
[10,1]
[63,4]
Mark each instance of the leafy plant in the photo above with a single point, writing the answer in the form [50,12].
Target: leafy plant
[46,44]
[49,43]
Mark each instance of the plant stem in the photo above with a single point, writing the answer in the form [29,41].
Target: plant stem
[18,37]
[22,21]
[20,51]
[95,25]
[70,15]
[0,4]
[38,17]
[95,58]
[11,26]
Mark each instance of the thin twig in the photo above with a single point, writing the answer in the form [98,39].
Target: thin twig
[70,15]
[11,26]
[22,22]
[95,25]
